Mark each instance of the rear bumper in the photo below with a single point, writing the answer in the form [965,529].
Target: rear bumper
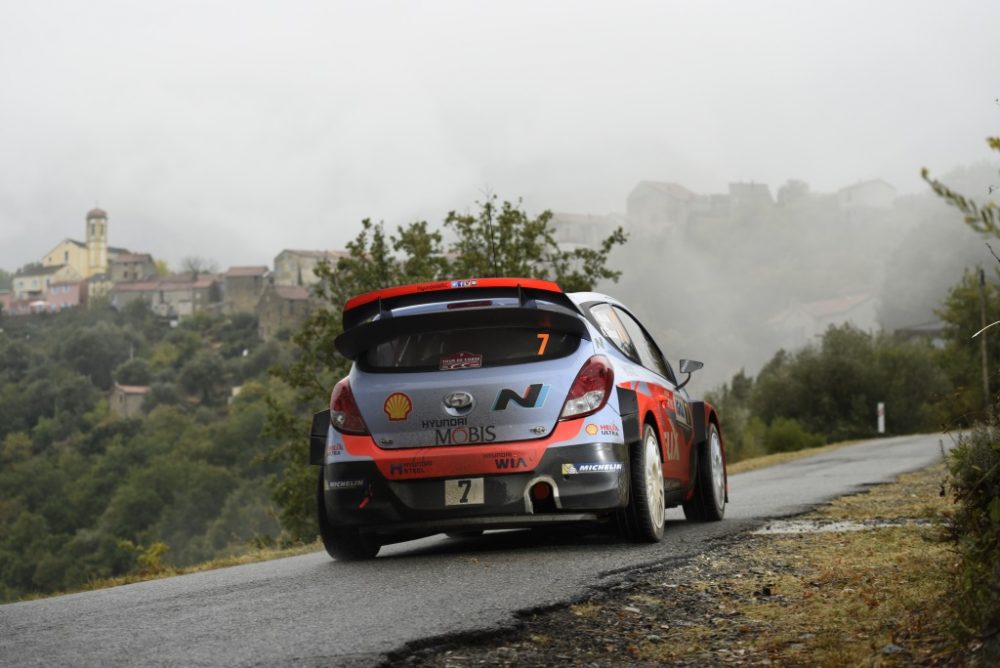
[588,481]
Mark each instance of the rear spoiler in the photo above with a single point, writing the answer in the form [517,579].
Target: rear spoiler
[381,302]
[369,321]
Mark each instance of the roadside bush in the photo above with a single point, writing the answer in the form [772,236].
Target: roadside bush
[787,435]
[975,481]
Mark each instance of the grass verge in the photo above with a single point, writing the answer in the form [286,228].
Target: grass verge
[874,597]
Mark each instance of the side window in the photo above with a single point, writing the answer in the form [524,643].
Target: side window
[649,353]
[611,327]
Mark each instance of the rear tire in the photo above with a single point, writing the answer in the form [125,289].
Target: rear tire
[343,543]
[642,521]
[709,501]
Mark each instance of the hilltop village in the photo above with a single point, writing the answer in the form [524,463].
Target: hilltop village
[666,214]
[75,272]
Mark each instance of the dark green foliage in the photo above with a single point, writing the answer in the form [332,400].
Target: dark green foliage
[499,239]
[134,372]
[787,435]
[95,351]
[833,388]
[974,465]
[962,357]
[84,495]
[830,391]
[203,376]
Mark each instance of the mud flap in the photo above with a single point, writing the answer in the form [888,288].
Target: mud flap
[628,408]
[699,436]
[317,437]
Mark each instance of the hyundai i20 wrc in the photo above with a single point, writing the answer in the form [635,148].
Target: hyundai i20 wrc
[501,403]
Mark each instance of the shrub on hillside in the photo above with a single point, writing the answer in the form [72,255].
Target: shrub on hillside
[787,435]
[975,481]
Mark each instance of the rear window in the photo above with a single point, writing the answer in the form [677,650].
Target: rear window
[454,349]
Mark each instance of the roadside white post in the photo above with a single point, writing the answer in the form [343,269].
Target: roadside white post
[881,417]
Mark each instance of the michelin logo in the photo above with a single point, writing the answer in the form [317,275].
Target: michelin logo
[600,467]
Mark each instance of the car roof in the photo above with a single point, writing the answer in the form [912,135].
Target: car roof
[581,298]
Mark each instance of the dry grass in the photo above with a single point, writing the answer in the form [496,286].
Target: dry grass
[876,597]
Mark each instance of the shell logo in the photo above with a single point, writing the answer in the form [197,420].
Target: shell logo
[592,429]
[397,406]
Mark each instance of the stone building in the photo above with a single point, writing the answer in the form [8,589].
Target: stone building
[66,294]
[126,400]
[874,194]
[282,307]
[242,288]
[176,296]
[579,229]
[655,205]
[32,282]
[132,267]
[298,267]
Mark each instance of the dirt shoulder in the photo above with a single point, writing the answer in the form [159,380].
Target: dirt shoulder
[864,581]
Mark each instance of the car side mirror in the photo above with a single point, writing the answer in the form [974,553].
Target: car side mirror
[689,367]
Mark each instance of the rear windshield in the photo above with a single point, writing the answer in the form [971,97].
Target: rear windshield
[454,349]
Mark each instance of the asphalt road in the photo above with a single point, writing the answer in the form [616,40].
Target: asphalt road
[312,611]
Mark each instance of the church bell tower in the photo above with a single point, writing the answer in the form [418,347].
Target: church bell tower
[97,242]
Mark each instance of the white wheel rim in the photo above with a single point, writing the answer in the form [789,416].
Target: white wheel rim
[715,461]
[654,480]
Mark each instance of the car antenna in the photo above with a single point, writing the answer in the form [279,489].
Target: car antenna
[493,248]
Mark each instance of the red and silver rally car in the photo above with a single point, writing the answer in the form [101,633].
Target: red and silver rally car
[504,402]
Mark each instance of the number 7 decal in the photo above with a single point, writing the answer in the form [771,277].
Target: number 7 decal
[544,342]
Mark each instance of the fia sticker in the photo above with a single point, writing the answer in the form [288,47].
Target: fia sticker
[461,361]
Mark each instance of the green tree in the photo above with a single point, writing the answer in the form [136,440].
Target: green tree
[204,376]
[134,372]
[832,389]
[96,351]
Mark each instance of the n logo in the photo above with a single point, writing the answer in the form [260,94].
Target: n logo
[533,397]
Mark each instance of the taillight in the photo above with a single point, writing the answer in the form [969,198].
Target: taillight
[590,390]
[344,413]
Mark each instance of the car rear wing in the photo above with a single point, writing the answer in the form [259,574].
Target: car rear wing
[371,319]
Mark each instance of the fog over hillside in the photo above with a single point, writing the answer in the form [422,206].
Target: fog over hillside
[232,130]
[730,278]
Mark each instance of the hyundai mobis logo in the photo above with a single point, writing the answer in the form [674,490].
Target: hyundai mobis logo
[533,397]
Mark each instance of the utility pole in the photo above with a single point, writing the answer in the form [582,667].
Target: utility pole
[987,399]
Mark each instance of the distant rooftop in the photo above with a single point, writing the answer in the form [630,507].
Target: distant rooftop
[133,257]
[675,190]
[327,254]
[236,272]
[39,271]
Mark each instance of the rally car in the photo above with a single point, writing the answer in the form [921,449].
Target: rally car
[506,403]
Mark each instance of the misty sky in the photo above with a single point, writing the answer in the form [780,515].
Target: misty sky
[232,130]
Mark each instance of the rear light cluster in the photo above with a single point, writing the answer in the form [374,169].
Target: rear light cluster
[590,390]
[344,414]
